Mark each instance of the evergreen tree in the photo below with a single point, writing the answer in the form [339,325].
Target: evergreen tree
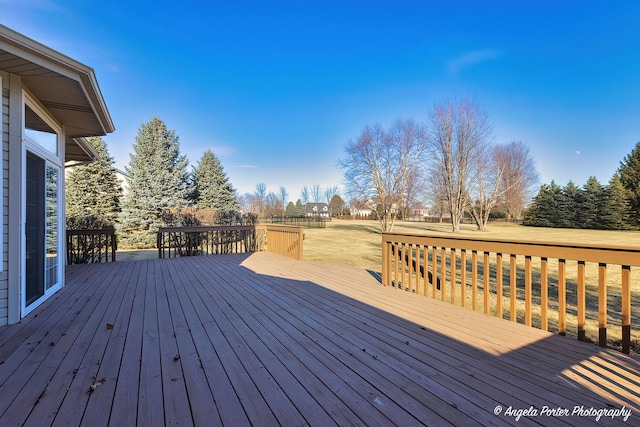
[616,207]
[299,208]
[212,187]
[158,185]
[629,172]
[93,191]
[568,206]
[291,209]
[591,201]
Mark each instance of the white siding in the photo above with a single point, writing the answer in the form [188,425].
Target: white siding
[4,196]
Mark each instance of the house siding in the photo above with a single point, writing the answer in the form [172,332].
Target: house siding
[4,281]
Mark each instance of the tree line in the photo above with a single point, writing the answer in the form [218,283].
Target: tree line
[269,203]
[452,158]
[615,206]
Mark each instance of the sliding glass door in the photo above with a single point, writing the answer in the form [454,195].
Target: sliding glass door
[42,209]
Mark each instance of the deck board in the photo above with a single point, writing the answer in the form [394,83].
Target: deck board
[264,340]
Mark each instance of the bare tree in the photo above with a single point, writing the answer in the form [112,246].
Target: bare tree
[438,198]
[261,194]
[272,205]
[284,195]
[316,193]
[378,166]
[328,195]
[304,195]
[519,177]
[487,192]
[459,134]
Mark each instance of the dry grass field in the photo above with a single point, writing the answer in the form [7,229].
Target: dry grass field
[358,243]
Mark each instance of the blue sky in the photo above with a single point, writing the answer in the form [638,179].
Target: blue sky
[276,89]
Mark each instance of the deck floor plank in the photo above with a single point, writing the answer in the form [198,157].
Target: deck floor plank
[369,368]
[101,400]
[83,361]
[49,351]
[264,340]
[458,364]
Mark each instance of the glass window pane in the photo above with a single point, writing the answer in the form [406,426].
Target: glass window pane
[39,132]
[51,227]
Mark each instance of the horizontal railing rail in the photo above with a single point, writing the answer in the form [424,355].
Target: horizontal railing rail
[211,240]
[457,269]
[91,246]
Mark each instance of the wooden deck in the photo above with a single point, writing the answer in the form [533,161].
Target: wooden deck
[265,340]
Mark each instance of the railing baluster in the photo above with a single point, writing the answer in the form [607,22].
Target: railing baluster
[626,309]
[474,279]
[513,287]
[443,273]
[582,301]
[486,284]
[463,277]
[454,260]
[602,304]
[499,285]
[434,270]
[425,270]
[404,267]
[544,294]
[562,297]
[395,264]
[527,290]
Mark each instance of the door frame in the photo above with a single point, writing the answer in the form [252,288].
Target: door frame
[55,161]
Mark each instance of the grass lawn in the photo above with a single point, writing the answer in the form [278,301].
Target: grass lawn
[358,243]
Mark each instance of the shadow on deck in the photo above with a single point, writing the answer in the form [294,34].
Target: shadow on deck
[265,340]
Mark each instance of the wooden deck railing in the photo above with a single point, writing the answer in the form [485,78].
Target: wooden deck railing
[450,268]
[91,246]
[192,241]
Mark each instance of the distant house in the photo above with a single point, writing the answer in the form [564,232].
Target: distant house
[360,212]
[316,209]
[421,211]
[50,104]
[123,180]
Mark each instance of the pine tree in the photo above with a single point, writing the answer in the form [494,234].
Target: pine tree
[291,209]
[629,172]
[212,187]
[299,208]
[568,206]
[591,200]
[158,184]
[616,212]
[93,191]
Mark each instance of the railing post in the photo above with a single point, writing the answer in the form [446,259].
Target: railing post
[626,309]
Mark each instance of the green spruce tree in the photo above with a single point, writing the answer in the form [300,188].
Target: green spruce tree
[299,208]
[616,210]
[568,206]
[590,205]
[629,172]
[158,185]
[93,191]
[291,209]
[212,187]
